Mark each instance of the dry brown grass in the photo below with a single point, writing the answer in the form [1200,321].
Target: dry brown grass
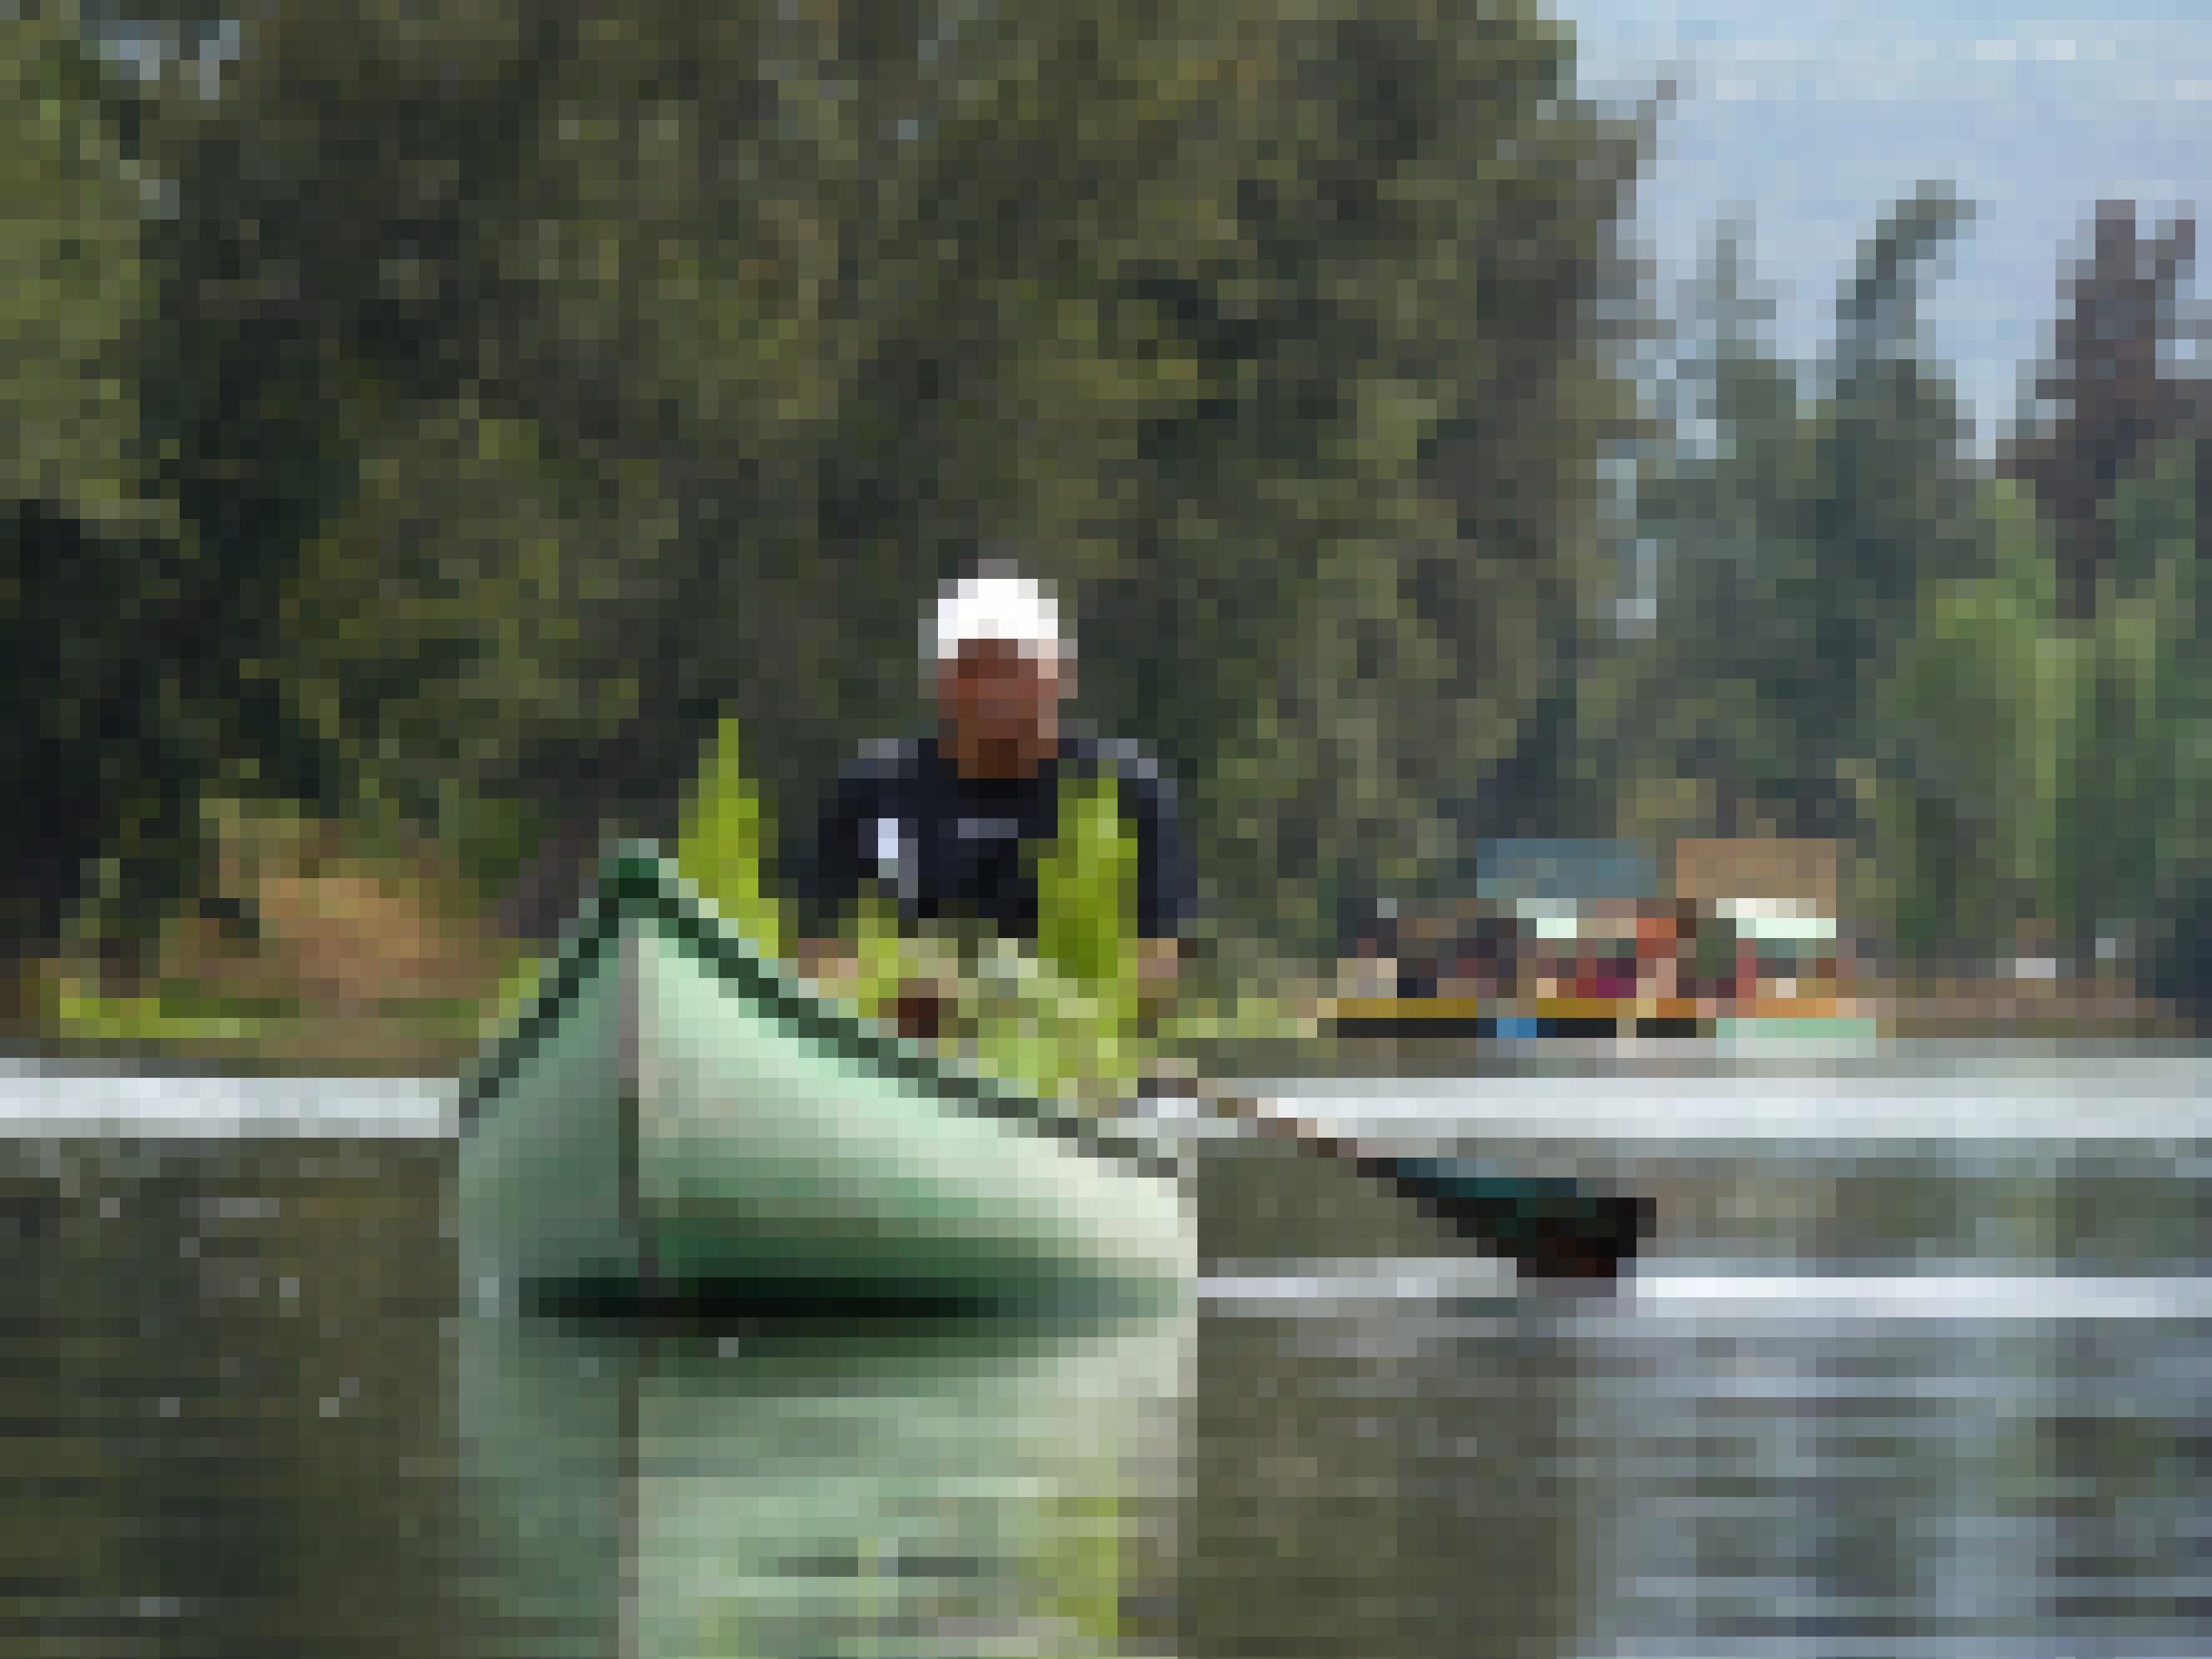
[338,930]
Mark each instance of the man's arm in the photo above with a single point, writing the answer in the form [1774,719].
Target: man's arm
[1163,898]
[827,870]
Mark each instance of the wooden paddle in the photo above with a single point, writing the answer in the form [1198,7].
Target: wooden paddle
[1550,1228]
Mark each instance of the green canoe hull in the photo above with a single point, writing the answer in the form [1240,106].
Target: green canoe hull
[673,1117]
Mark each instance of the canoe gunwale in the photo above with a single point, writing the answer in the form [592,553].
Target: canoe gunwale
[636,884]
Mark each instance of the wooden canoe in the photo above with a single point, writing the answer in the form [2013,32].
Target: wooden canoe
[672,1116]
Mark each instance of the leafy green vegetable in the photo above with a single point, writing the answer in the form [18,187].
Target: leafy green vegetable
[1086,891]
[718,847]
[1059,1020]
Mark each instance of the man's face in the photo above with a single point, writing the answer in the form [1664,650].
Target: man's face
[1001,704]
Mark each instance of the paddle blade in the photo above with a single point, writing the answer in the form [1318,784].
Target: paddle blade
[1549,1229]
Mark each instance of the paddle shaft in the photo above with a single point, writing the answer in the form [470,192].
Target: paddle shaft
[1550,1229]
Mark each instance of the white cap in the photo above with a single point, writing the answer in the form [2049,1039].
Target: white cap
[1014,609]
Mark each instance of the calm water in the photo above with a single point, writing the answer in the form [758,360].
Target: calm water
[1920,1367]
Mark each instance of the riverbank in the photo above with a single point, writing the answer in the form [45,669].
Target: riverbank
[1287,1032]
[2102,1009]
[167,1031]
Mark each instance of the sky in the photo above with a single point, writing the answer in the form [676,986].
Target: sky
[1813,116]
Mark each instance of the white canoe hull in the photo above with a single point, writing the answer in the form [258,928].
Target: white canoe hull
[672,1113]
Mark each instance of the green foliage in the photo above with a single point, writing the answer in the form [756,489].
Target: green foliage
[720,848]
[2051,767]
[1078,1563]
[517,986]
[550,386]
[1011,1016]
[73,286]
[1086,886]
[2047,731]
[1804,526]
[103,751]
[1045,1033]
[1058,1020]
[436,642]
[77,1014]
[528,408]
[885,958]
[1860,633]
[1064,1019]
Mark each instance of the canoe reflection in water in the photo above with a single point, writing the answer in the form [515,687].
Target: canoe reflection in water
[910,1485]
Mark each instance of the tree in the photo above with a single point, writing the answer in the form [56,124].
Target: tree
[100,755]
[1276,340]
[1715,696]
[1977,716]
[1320,440]
[1794,535]
[2043,765]
[2108,399]
[1900,504]
[2140,806]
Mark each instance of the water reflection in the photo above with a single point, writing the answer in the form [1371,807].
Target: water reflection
[1965,1464]
[954,1487]
[219,1365]
[1890,1399]
[1401,1459]
[1363,1484]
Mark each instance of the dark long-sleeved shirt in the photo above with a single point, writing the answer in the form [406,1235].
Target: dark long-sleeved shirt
[945,845]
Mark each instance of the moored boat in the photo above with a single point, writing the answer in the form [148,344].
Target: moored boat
[1520,1019]
[673,1116]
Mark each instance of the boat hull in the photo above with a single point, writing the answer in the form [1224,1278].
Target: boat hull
[674,1119]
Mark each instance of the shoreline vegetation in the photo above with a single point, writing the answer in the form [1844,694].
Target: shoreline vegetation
[1275,1034]
[304,956]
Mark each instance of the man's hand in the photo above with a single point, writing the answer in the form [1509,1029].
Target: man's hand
[1159,962]
[919,1010]
[827,962]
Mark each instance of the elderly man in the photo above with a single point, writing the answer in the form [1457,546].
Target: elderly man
[949,822]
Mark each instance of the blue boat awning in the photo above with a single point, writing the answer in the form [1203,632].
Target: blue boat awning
[1563,871]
